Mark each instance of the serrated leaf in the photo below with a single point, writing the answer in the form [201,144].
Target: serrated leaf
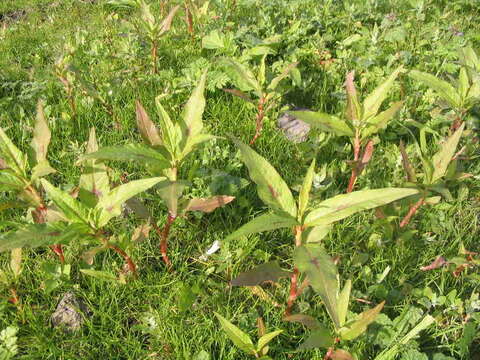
[324,122]
[270,271]
[343,300]
[207,205]
[444,156]
[313,261]
[304,195]
[238,337]
[147,128]
[73,210]
[320,338]
[379,122]
[446,91]
[271,188]
[265,339]
[170,192]
[360,325]
[94,182]
[342,206]
[372,103]
[242,77]
[265,222]
[109,205]
[41,135]
[13,158]
[354,110]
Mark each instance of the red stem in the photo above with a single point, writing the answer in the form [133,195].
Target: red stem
[131,265]
[411,212]
[164,238]
[294,291]
[259,120]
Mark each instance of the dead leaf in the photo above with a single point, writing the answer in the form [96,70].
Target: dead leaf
[141,232]
[208,204]
[438,262]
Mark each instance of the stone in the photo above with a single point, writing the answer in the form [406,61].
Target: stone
[294,129]
[70,313]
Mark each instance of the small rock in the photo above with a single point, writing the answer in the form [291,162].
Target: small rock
[70,313]
[294,129]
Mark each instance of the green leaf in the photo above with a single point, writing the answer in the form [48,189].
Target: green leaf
[343,300]
[13,157]
[109,205]
[41,136]
[167,22]
[463,83]
[171,132]
[131,152]
[147,128]
[73,210]
[191,123]
[270,271]
[36,235]
[315,234]
[443,157]
[192,142]
[373,102]
[102,275]
[304,195]
[342,206]
[274,83]
[446,91]
[261,71]
[265,339]
[170,192]
[376,123]
[42,169]
[239,338]
[324,122]
[312,260]
[271,188]
[9,181]
[214,40]
[94,182]
[265,222]
[361,324]
[242,77]
[320,338]
[354,110]
[306,320]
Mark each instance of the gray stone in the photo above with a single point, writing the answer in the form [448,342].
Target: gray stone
[294,129]
[70,313]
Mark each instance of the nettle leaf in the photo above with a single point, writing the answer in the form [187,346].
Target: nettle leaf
[319,338]
[13,158]
[379,122]
[312,260]
[170,192]
[94,182]
[265,222]
[109,205]
[446,91]
[270,271]
[304,195]
[41,136]
[73,210]
[207,205]
[354,110]
[270,186]
[342,206]
[239,338]
[265,339]
[147,128]
[131,152]
[36,235]
[242,77]
[442,158]
[324,122]
[191,123]
[360,325]
[372,103]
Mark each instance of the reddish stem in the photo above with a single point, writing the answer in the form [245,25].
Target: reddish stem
[352,181]
[39,216]
[294,290]
[259,120]
[164,238]
[411,212]
[131,265]
[57,249]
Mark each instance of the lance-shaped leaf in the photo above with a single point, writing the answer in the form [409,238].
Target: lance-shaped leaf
[242,77]
[191,123]
[170,192]
[192,142]
[360,325]
[73,210]
[313,261]
[41,135]
[306,320]
[131,152]
[304,195]
[36,235]
[270,186]
[109,205]
[171,132]
[9,181]
[238,337]
[13,158]
[446,91]
[469,58]
[207,205]
[407,165]
[270,271]
[324,122]
[265,339]
[442,158]
[98,274]
[167,22]
[274,83]
[265,222]
[43,168]
[342,206]
[315,234]
[94,182]
[463,83]
[376,123]
[239,94]
[343,300]
[354,110]
[319,338]
[147,128]
[372,102]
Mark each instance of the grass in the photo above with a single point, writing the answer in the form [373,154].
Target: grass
[390,33]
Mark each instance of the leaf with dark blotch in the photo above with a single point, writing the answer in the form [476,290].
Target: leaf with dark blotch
[306,320]
[138,208]
[270,271]
[208,204]
[147,128]
[437,263]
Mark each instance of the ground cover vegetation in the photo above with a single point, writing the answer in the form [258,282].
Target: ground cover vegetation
[126,179]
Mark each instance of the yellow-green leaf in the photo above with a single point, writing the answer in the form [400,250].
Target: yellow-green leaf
[265,222]
[238,337]
[360,325]
[442,158]
[304,195]
[41,135]
[324,122]
[147,128]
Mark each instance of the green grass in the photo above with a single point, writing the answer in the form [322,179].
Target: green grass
[31,44]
